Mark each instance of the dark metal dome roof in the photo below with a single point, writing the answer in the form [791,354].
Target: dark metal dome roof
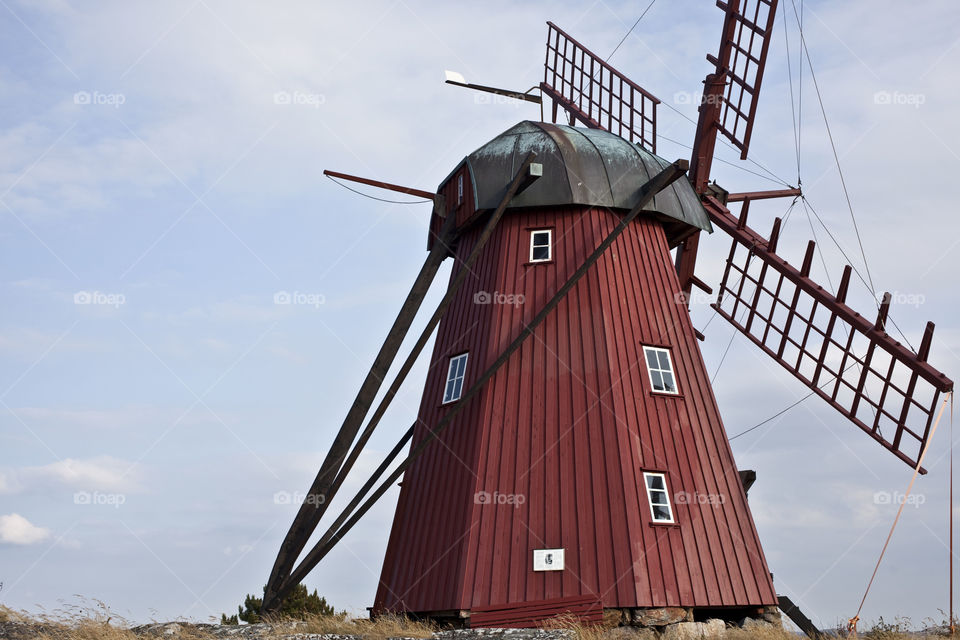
[580,166]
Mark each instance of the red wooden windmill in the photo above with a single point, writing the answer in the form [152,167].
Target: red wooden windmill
[568,453]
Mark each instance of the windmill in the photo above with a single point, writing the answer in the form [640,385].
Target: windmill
[568,453]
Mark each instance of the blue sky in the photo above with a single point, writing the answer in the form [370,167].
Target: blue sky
[149,439]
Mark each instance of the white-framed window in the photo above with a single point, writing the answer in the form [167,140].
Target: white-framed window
[541,245]
[657,496]
[660,369]
[455,372]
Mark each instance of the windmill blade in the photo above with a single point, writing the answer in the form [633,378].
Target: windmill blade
[884,388]
[741,60]
[594,93]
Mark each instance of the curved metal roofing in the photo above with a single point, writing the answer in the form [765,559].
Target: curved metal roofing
[580,166]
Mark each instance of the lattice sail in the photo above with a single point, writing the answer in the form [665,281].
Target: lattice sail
[594,93]
[884,388]
[743,57]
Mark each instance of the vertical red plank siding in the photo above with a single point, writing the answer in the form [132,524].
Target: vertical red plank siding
[566,428]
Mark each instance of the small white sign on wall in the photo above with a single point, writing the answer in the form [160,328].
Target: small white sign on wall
[548,559]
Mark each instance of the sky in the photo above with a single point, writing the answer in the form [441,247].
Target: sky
[161,195]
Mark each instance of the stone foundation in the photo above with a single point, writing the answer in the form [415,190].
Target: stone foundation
[687,623]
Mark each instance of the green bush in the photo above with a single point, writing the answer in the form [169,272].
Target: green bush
[299,605]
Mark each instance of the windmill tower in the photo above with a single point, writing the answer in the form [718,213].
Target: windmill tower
[568,453]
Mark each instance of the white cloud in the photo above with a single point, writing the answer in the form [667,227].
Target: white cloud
[15,529]
[103,473]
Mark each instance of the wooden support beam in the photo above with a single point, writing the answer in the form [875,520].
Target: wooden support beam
[348,518]
[305,521]
[806,625]
[764,195]
[522,177]
[382,185]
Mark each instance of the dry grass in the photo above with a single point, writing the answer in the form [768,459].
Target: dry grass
[760,633]
[379,629]
[583,631]
[90,620]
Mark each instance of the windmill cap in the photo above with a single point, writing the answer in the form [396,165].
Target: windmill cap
[581,166]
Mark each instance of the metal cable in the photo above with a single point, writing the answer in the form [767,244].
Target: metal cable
[367,195]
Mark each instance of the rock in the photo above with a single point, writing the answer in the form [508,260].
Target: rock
[630,633]
[756,623]
[683,631]
[695,630]
[659,617]
[772,615]
[714,628]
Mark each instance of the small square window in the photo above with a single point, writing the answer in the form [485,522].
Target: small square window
[541,246]
[455,374]
[660,368]
[660,509]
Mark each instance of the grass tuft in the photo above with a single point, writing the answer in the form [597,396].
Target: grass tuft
[761,633]
[583,631]
[384,627]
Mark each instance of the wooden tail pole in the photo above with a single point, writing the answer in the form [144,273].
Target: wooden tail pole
[305,521]
[343,525]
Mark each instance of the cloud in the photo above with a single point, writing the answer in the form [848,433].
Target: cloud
[103,473]
[15,529]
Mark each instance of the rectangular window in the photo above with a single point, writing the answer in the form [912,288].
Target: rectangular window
[540,246]
[660,509]
[660,368]
[455,373]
